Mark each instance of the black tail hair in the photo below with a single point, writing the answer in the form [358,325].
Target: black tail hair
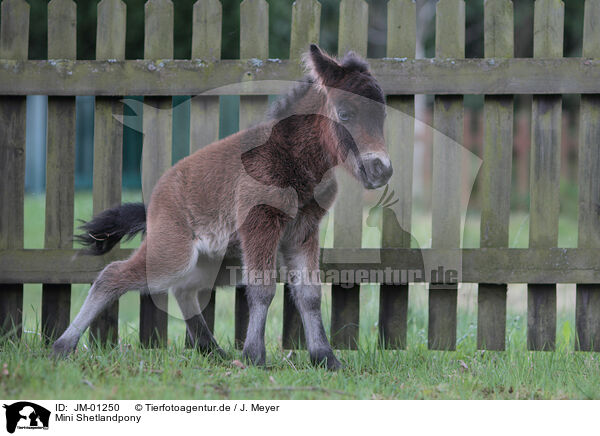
[107,228]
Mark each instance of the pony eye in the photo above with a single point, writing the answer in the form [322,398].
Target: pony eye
[344,115]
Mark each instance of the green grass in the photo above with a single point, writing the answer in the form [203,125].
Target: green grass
[131,372]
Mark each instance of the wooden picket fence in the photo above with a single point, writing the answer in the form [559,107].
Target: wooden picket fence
[448,76]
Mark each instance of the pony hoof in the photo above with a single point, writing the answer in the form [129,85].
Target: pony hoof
[254,357]
[334,365]
[62,348]
[219,353]
[327,360]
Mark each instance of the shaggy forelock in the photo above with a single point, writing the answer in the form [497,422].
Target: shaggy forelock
[364,85]
[353,62]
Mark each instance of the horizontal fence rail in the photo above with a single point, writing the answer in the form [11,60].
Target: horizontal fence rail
[498,77]
[485,265]
[397,76]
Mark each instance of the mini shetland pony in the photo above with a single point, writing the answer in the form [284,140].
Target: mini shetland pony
[254,192]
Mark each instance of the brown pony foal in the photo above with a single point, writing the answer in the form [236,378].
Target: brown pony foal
[260,191]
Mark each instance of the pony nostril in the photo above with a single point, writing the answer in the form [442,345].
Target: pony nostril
[378,168]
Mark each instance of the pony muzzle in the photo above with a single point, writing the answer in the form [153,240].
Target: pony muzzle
[377,170]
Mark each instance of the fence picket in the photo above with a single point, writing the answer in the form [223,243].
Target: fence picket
[544,175]
[254,43]
[204,110]
[347,224]
[496,175]
[108,143]
[587,301]
[306,23]
[306,18]
[400,130]
[157,153]
[448,125]
[206,44]
[14,37]
[60,167]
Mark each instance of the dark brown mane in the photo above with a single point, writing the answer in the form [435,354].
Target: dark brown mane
[361,83]
[283,107]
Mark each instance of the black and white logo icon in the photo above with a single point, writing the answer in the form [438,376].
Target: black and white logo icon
[26,415]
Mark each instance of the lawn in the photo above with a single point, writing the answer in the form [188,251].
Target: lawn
[131,372]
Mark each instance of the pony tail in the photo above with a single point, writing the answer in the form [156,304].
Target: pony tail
[106,229]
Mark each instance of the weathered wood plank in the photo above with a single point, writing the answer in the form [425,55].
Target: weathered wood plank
[545,175]
[156,154]
[448,125]
[158,37]
[107,177]
[254,29]
[241,316]
[587,302]
[204,111]
[206,44]
[491,316]
[306,24]
[14,33]
[306,19]
[204,125]
[353,27]
[495,175]
[62,32]
[60,167]
[254,44]
[292,336]
[347,215]
[206,30]
[108,143]
[397,76]
[485,265]
[400,127]
[110,30]
[14,30]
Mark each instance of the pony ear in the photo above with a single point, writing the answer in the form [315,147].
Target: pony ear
[322,68]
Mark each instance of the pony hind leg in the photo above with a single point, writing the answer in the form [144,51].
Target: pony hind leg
[165,255]
[197,330]
[115,279]
[201,275]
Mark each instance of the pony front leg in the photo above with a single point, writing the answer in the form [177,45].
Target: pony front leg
[259,299]
[259,237]
[302,262]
